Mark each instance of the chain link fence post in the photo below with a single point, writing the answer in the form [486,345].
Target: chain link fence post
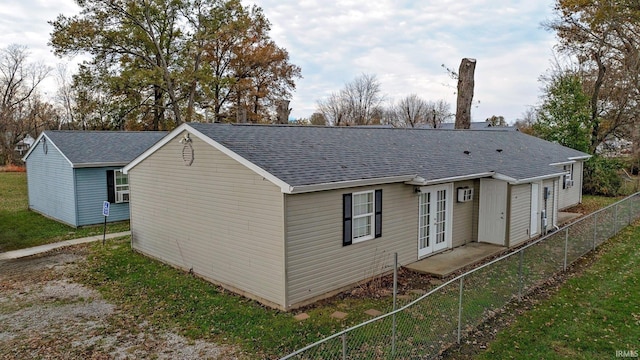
[520,274]
[566,248]
[615,219]
[395,291]
[460,309]
[344,346]
[595,230]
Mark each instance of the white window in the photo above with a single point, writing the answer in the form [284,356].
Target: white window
[121,186]
[568,177]
[363,216]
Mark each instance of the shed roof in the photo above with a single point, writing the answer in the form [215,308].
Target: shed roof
[302,156]
[100,148]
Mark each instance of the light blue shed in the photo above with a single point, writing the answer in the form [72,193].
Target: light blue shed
[71,173]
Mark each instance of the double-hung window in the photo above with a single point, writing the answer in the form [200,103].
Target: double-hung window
[362,218]
[122,186]
[117,186]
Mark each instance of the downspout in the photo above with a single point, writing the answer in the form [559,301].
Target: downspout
[507,234]
[285,262]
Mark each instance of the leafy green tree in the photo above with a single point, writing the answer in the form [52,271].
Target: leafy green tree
[564,116]
[603,37]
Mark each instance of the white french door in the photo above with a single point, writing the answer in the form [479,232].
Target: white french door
[434,221]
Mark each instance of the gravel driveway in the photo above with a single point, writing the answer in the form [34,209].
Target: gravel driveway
[45,314]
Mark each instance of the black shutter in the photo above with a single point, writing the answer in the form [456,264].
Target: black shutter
[111,187]
[378,215]
[346,216]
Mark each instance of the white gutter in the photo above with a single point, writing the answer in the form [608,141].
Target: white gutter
[419,181]
[513,181]
[348,184]
[585,157]
[563,163]
[104,164]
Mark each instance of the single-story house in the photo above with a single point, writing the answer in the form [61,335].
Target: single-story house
[71,173]
[288,215]
[23,145]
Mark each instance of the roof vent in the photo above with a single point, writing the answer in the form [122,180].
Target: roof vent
[499,150]
[467,152]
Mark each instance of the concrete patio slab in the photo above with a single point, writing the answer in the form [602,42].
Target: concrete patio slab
[565,217]
[446,263]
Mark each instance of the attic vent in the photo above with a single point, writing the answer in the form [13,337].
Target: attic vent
[187,154]
[467,152]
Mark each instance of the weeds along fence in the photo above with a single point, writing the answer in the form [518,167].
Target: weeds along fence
[428,325]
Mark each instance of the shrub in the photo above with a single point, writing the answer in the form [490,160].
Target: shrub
[12,168]
[601,176]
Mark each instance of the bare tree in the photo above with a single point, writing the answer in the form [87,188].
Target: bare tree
[65,94]
[334,109]
[411,110]
[440,112]
[363,97]
[465,93]
[18,82]
[359,103]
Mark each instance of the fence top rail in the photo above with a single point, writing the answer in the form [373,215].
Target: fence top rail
[456,279]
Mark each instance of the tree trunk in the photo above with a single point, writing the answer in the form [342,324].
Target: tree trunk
[283,111]
[465,93]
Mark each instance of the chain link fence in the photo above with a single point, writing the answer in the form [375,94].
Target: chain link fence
[427,326]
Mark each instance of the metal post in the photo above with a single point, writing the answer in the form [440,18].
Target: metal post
[630,206]
[344,346]
[460,310]
[395,291]
[615,219]
[595,229]
[104,231]
[566,248]
[520,275]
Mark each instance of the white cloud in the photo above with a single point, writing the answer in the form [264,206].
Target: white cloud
[403,42]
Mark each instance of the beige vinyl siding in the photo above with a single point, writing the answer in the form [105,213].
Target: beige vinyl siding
[216,217]
[571,196]
[318,264]
[520,215]
[465,214]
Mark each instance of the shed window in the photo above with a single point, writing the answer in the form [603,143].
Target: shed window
[362,216]
[122,187]
[568,177]
[117,186]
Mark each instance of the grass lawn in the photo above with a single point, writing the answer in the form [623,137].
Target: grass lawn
[147,290]
[21,228]
[591,316]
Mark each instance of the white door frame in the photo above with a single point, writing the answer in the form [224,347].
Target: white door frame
[492,216]
[435,225]
[535,209]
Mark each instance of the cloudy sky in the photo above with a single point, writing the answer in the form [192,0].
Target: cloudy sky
[403,42]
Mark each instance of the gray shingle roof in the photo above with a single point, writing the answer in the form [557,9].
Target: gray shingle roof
[307,155]
[103,148]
